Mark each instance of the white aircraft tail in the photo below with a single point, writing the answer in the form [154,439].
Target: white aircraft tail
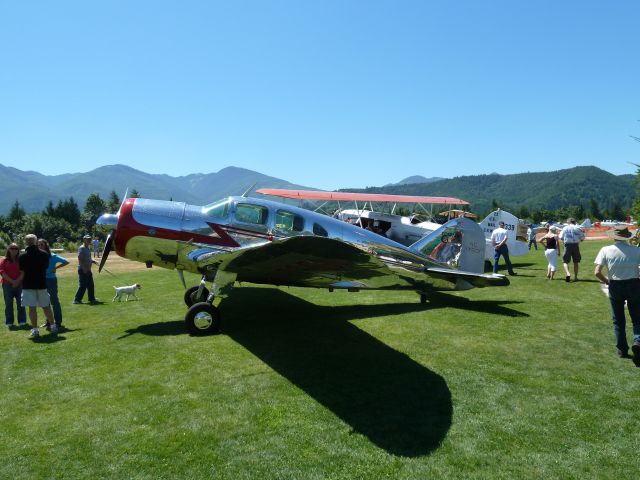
[459,244]
[516,233]
[586,224]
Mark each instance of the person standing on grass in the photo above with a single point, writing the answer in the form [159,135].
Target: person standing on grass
[96,247]
[623,262]
[551,244]
[11,287]
[499,239]
[55,262]
[85,277]
[531,236]
[33,269]
[571,235]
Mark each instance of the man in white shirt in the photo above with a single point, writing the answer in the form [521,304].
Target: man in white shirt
[571,235]
[499,239]
[623,262]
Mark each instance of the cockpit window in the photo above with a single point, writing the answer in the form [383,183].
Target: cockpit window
[289,221]
[254,214]
[218,209]
[320,230]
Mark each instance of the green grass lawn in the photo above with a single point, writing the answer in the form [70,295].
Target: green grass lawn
[515,382]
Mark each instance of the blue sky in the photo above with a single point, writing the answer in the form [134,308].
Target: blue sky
[328,94]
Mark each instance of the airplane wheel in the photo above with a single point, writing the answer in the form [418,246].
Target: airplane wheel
[423,298]
[202,319]
[190,296]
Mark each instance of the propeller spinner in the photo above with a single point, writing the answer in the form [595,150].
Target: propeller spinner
[110,219]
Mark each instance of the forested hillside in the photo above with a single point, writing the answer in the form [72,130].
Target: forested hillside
[577,186]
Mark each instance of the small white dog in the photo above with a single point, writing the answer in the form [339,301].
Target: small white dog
[129,291]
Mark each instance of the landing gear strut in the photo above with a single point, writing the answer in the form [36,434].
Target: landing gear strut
[203,317]
[195,294]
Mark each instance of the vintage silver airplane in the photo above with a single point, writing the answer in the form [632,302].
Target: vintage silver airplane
[266,242]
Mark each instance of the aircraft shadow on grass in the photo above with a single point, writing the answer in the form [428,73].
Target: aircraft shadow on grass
[398,404]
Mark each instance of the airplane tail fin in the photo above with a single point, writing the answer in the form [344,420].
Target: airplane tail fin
[458,244]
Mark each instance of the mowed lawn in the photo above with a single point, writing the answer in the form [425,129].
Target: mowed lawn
[515,382]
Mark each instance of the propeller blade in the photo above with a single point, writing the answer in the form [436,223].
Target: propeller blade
[108,246]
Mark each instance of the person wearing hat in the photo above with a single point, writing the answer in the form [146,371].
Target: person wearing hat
[85,277]
[622,261]
[571,235]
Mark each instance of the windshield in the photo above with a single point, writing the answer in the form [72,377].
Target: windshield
[218,209]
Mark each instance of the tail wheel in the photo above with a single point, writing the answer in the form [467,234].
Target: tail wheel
[191,296]
[202,319]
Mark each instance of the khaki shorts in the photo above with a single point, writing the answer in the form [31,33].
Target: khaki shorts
[35,298]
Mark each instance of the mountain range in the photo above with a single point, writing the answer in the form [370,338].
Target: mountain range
[34,190]
[550,190]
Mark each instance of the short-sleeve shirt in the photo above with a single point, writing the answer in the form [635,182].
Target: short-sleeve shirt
[54,260]
[84,258]
[621,259]
[34,263]
[498,235]
[12,269]
[571,234]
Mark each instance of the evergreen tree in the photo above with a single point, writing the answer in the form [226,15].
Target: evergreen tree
[16,213]
[594,211]
[95,206]
[616,211]
[113,204]
[635,209]
[68,210]
[49,210]
[134,194]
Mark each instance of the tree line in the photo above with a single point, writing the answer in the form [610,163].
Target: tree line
[62,225]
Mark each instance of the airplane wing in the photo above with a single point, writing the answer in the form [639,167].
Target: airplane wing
[312,261]
[358,197]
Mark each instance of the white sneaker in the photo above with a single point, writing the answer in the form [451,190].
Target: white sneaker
[34,333]
[53,328]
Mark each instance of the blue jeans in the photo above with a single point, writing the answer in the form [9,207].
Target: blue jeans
[85,284]
[10,293]
[533,242]
[52,288]
[504,251]
[619,291]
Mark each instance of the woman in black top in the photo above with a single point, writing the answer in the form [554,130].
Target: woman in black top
[551,244]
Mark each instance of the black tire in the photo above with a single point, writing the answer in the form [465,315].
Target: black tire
[190,296]
[423,298]
[202,319]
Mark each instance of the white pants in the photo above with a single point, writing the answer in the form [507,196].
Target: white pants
[552,258]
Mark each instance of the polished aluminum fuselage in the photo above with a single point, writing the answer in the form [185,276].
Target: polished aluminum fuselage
[204,239]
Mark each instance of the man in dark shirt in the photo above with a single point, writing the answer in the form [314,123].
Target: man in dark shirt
[33,268]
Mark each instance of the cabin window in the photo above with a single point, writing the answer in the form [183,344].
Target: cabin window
[289,221]
[254,214]
[219,209]
[320,230]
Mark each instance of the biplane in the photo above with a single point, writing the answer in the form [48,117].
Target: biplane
[409,229]
[243,239]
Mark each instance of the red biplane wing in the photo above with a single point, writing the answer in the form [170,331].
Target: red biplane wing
[358,197]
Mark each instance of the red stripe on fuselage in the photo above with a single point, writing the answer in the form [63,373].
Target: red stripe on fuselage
[128,227]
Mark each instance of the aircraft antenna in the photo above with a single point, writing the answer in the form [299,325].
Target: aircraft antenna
[248,191]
